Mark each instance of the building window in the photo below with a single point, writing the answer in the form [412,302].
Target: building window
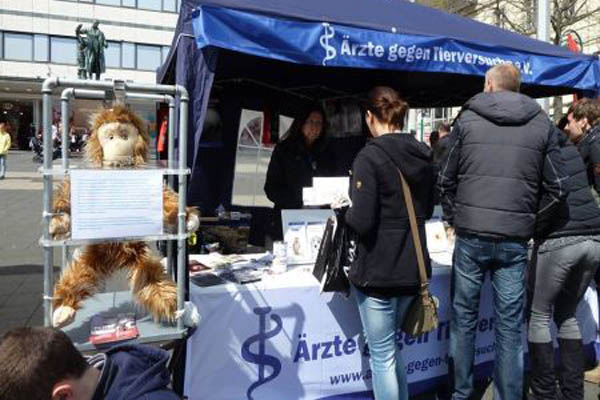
[1,46]
[63,50]
[40,48]
[18,47]
[109,2]
[128,55]
[112,55]
[150,4]
[165,53]
[129,3]
[148,57]
[169,5]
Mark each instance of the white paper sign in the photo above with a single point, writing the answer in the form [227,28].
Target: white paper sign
[325,190]
[115,204]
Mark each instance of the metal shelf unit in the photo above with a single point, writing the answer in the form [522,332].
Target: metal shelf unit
[177,98]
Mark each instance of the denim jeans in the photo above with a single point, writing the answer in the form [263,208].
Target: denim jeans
[380,319]
[2,165]
[506,261]
[558,278]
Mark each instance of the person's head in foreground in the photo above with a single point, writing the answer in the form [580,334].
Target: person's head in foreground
[385,111]
[43,364]
[502,77]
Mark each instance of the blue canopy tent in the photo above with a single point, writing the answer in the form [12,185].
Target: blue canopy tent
[318,49]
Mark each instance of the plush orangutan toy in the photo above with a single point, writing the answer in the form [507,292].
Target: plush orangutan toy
[118,139]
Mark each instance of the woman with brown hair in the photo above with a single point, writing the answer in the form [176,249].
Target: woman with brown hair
[296,160]
[385,275]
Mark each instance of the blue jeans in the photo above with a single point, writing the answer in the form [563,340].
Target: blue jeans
[506,261]
[380,319]
[2,165]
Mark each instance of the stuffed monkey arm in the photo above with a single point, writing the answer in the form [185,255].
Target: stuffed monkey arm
[171,208]
[60,223]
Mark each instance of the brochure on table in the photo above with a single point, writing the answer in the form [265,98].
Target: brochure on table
[302,232]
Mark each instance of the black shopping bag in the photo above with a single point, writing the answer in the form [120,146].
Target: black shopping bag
[338,254]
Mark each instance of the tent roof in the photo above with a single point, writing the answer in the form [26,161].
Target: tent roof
[400,17]
[383,15]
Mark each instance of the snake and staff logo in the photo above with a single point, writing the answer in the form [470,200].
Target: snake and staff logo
[330,51]
[260,358]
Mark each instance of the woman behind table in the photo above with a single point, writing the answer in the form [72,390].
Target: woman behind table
[296,160]
[385,276]
[565,257]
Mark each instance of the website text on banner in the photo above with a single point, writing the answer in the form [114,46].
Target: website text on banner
[289,341]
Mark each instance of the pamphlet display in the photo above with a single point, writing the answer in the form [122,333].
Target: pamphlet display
[302,233]
[113,329]
[116,203]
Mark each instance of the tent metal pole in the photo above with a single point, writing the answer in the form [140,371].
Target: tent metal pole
[543,34]
[181,225]
[47,204]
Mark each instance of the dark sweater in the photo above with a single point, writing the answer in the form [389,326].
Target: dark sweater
[579,215]
[589,148]
[133,372]
[386,253]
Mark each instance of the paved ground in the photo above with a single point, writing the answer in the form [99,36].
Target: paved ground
[21,257]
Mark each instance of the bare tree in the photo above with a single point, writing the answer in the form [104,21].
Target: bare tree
[520,16]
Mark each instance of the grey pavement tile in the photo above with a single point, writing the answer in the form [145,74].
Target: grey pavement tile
[17,301]
[7,325]
[36,318]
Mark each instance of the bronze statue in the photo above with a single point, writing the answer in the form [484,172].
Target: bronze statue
[81,47]
[91,51]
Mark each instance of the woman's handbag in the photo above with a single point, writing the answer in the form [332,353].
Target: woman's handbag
[422,315]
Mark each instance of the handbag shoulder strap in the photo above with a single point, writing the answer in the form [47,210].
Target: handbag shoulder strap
[412,217]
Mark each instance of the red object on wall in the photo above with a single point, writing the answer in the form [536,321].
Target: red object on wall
[266,136]
[572,45]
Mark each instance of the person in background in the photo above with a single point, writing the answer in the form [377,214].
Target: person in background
[42,364]
[503,171]
[440,150]
[565,257]
[434,138]
[163,139]
[5,143]
[583,129]
[302,155]
[385,276]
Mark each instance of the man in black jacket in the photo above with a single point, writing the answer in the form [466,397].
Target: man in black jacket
[503,169]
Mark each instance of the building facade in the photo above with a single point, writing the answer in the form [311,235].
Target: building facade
[37,40]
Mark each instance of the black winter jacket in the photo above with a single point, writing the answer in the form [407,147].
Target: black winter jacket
[292,167]
[579,215]
[589,148]
[503,169]
[386,253]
